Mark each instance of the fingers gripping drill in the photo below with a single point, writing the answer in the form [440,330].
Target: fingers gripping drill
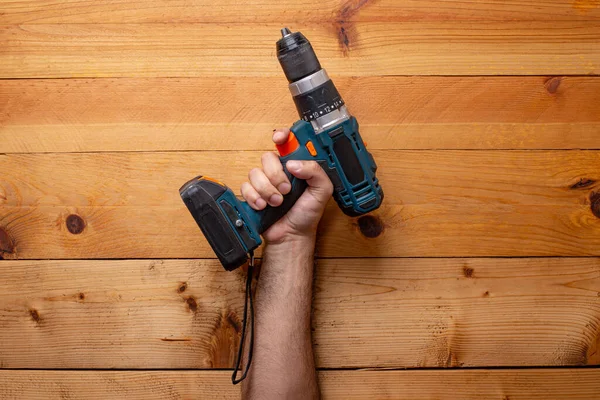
[326,133]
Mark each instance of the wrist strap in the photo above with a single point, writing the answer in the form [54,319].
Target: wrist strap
[247,299]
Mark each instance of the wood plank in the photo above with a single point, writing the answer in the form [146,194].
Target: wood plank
[346,49]
[73,115]
[465,203]
[531,384]
[227,11]
[367,313]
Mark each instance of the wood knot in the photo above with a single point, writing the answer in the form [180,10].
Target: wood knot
[583,183]
[35,315]
[234,322]
[6,243]
[182,287]
[468,272]
[486,294]
[192,304]
[552,84]
[595,203]
[345,31]
[225,339]
[344,40]
[370,226]
[344,23]
[75,224]
[81,296]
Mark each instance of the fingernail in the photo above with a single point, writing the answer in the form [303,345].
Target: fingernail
[284,188]
[260,203]
[294,165]
[275,199]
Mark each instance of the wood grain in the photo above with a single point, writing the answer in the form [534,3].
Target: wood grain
[528,384]
[79,115]
[345,49]
[367,313]
[438,203]
[199,79]
[229,11]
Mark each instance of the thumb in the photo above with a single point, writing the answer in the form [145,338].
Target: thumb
[280,135]
[319,185]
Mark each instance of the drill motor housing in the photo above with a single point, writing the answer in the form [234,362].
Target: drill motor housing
[326,133]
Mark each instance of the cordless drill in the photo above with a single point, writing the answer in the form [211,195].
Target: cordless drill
[325,133]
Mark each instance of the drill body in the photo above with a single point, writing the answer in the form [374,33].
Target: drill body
[326,133]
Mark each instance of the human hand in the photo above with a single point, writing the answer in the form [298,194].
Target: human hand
[267,185]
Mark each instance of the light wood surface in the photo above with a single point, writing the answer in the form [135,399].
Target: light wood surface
[530,384]
[79,115]
[483,116]
[247,50]
[260,11]
[438,203]
[367,313]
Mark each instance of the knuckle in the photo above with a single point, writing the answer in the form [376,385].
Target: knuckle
[263,187]
[254,196]
[276,176]
[271,160]
[315,169]
[272,176]
[245,192]
[254,172]
[248,191]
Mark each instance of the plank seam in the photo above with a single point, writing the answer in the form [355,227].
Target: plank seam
[308,23]
[590,75]
[317,258]
[379,369]
[121,152]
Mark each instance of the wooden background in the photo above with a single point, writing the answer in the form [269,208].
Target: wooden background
[479,277]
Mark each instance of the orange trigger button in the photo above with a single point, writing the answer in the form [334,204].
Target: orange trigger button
[311,148]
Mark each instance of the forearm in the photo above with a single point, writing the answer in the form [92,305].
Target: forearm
[283,363]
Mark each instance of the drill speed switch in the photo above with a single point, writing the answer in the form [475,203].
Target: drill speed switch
[325,133]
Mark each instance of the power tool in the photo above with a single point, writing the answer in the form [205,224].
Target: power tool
[325,133]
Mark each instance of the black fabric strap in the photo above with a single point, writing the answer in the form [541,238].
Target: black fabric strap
[248,299]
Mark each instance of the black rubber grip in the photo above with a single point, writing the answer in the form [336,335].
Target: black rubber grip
[270,215]
[344,151]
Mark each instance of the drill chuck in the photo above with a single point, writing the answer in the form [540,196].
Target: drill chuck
[316,97]
[296,56]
